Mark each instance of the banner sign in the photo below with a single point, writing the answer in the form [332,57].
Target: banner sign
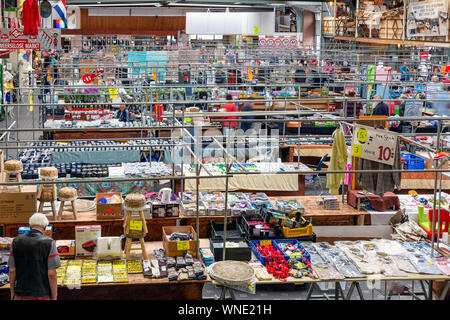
[14,39]
[374,144]
[427,18]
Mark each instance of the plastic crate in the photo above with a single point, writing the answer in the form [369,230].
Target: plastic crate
[254,243]
[241,253]
[413,162]
[234,231]
[255,233]
[297,232]
[293,242]
[235,211]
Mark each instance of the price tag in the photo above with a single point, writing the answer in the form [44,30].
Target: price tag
[183,245]
[374,144]
[113,93]
[357,150]
[136,225]
[429,262]
[265,243]
[256,29]
[296,255]
[362,135]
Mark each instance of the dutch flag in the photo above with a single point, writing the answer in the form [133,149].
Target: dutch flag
[60,8]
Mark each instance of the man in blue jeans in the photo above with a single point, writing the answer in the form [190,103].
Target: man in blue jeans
[33,262]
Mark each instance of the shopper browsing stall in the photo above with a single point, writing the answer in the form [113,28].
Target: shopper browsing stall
[381,109]
[353,108]
[33,262]
[404,72]
[230,126]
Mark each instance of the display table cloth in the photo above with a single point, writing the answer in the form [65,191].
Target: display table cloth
[91,188]
[97,157]
[275,182]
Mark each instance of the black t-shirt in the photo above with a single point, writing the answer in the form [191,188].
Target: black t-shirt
[381,110]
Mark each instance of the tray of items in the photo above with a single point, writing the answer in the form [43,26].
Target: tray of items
[239,207]
[330,202]
[236,197]
[190,208]
[215,208]
[292,250]
[255,227]
[188,197]
[235,250]
[234,231]
[212,196]
[289,206]
[259,200]
[290,227]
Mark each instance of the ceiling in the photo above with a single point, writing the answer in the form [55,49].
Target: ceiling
[189,3]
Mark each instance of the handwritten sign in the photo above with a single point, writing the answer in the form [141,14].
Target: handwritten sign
[136,225]
[183,245]
[374,144]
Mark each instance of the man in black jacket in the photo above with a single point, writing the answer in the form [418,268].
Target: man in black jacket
[381,109]
[33,262]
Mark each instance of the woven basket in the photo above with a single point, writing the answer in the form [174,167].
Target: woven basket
[68,193]
[47,196]
[135,201]
[49,172]
[13,166]
[232,272]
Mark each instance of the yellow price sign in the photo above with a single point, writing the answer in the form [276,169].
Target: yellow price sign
[430,262]
[183,245]
[136,225]
[256,29]
[265,243]
[362,135]
[113,93]
[357,150]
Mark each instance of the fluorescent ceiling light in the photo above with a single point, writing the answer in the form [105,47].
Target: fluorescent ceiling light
[208,5]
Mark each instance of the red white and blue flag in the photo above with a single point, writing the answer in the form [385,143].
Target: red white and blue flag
[60,8]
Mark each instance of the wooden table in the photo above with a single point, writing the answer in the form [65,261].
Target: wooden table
[346,215]
[355,284]
[65,229]
[137,288]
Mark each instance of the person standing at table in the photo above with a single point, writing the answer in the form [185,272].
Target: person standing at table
[404,72]
[381,109]
[33,262]
[230,126]
[354,109]
[123,114]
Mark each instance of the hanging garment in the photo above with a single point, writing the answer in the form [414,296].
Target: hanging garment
[338,161]
[382,182]
[348,176]
[31,19]
[370,73]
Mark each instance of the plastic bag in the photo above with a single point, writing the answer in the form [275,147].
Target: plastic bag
[108,248]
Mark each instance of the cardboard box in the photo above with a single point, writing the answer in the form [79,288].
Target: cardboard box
[66,249]
[48,231]
[172,248]
[109,210]
[86,239]
[16,206]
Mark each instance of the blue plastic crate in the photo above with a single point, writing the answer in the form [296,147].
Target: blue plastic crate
[293,242]
[254,243]
[413,162]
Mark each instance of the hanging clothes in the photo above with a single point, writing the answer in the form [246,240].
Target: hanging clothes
[31,19]
[380,182]
[338,161]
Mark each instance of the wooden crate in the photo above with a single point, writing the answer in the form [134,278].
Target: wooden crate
[391,29]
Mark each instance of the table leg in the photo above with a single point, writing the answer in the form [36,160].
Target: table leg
[310,291]
[340,291]
[445,291]
[350,291]
[360,220]
[358,288]
[430,291]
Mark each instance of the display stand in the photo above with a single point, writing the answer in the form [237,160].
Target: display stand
[47,192]
[70,195]
[135,229]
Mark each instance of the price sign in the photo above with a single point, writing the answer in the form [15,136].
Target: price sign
[136,225]
[265,243]
[374,144]
[113,93]
[183,245]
